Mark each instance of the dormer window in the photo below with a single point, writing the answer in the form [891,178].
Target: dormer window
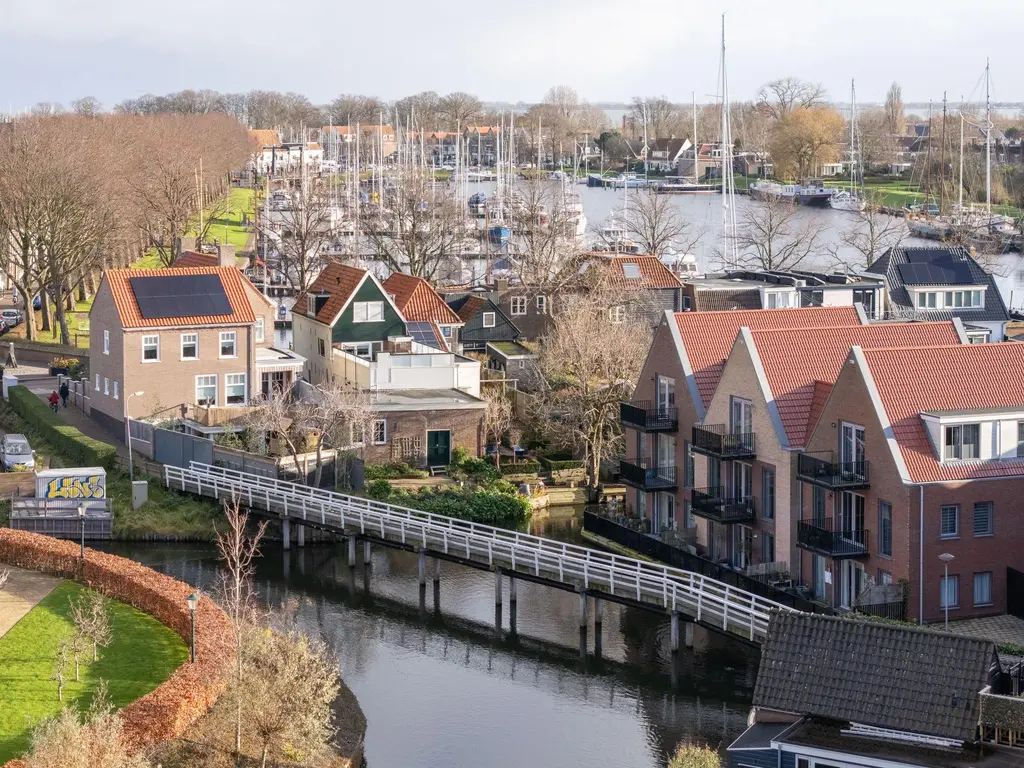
[927,299]
[961,442]
[965,299]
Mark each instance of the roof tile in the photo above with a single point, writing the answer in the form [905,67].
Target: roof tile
[417,300]
[338,281]
[708,336]
[128,308]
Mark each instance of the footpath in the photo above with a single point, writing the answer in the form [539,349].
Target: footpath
[23,590]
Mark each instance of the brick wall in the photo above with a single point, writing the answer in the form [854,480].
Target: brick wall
[466,426]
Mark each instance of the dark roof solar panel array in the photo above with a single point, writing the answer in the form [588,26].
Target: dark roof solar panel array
[172,296]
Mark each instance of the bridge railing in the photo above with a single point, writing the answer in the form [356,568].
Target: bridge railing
[673,589]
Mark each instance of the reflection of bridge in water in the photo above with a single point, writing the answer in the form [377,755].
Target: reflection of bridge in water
[318,592]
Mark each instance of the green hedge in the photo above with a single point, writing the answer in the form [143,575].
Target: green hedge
[554,465]
[521,468]
[490,507]
[68,440]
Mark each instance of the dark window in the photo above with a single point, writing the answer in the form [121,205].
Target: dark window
[321,347]
[885,528]
[950,521]
[983,524]
[812,298]
[818,505]
[767,494]
[867,298]
[767,548]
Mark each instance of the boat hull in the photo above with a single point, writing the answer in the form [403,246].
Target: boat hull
[814,200]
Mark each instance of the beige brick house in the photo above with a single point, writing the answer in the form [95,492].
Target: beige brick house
[196,342]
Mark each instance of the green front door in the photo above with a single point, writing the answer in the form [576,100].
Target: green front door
[439,447]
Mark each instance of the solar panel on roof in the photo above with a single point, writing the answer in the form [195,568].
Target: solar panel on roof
[422,332]
[943,273]
[170,296]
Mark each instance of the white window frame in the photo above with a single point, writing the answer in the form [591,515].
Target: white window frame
[355,349]
[989,508]
[928,300]
[321,347]
[115,389]
[260,330]
[517,305]
[617,314]
[492,316]
[184,341]
[361,312]
[147,342]
[106,342]
[974,590]
[958,446]
[383,423]
[216,388]
[955,534]
[106,386]
[227,383]
[542,304]
[224,335]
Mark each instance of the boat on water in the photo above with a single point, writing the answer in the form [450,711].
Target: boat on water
[810,192]
[685,188]
[682,265]
[844,201]
[499,234]
[613,236]
[628,180]
[478,204]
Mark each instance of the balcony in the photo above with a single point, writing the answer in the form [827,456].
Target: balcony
[719,506]
[822,469]
[820,537]
[717,441]
[648,416]
[646,475]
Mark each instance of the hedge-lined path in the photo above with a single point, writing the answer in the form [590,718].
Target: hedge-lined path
[24,589]
[76,417]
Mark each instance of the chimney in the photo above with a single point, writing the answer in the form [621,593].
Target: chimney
[225,255]
[974,253]
[502,285]
[186,244]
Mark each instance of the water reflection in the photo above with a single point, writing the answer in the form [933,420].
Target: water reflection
[440,689]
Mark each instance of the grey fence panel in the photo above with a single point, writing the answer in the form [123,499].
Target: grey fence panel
[178,449]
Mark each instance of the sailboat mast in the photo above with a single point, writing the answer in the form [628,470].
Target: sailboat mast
[988,143]
[853,139]
[960,193]
[942,160]
[693,97]
[729,255]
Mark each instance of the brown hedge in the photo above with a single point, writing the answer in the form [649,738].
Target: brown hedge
[168,710]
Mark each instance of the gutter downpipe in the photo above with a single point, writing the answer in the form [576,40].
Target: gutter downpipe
[920,564]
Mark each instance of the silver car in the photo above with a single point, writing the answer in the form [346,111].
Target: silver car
[17,453]
[11,316]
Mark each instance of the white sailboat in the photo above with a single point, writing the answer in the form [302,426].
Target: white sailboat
[730,253]
[851,200]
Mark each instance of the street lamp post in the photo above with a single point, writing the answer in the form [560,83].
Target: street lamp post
[193,603]
[81,518]
[128,434]
[945,557]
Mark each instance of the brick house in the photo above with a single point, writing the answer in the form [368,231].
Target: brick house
[350,327]
[673,392]
[936,440]
[192,339]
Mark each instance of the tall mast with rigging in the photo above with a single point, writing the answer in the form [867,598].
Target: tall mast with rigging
[988,142]
[729,254]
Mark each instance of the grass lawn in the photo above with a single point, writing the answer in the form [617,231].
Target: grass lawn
[142,654]
[228,227]
[78,325]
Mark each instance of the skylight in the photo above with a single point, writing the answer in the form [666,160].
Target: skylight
[631,270]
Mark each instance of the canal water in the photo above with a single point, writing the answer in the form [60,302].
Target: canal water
[441,690]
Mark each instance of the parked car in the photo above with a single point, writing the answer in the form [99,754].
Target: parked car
[4,326]
[11,316]
[17,453]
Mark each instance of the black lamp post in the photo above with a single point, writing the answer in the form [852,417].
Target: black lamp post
[193,603]
[81,517]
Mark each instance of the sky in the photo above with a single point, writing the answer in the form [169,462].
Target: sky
[608,50]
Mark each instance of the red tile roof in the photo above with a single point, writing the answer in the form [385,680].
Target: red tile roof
[973,376]
[196,259]
[708,336]
[128,308]
[339,281]
[417,300]
[801,365]
[470,307]
[653,274]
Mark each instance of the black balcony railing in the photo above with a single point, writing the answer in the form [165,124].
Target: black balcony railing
[837,542]
[716,440]
[649,416]
[722,506]
[822,469]
[647,475]
[681,558]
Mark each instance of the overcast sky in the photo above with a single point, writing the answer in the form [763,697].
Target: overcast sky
[609,50]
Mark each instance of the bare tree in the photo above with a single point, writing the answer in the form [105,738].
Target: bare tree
[237,550]
[663,118]
[419,227]
[657,224]
[5,574]
[350,109]
[894,109]
[781,97]
[498,418]
[303,232]
[544,239]
[872,235]
[289,682]
[88,740]
[772,236]
[61,659]
[88,106]
[459,109]
[589,363]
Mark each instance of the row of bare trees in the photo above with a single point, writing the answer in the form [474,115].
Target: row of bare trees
[79,194]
